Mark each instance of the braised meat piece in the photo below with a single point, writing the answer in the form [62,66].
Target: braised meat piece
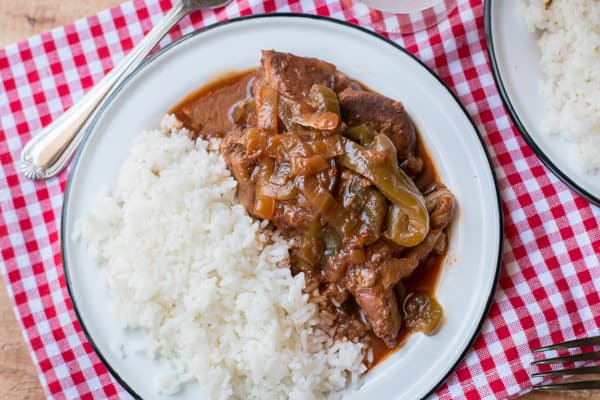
[373,282]
[241,166]
[342,82]
[293,76]
[375,296]
[422,251]
[381,114]
[440,204]
[381,308]
[293,215]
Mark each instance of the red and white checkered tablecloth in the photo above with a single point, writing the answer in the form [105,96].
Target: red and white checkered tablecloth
[550,278]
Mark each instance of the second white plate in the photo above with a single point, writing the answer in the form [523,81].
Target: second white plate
[514,56]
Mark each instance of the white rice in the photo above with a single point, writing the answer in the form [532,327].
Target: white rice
[569,42]
[209,286]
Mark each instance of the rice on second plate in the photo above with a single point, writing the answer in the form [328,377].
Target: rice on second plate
[209,286]
[570,56]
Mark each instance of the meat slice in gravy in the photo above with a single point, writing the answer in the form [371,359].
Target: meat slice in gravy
[241,166]
[381,308]
[440,205]
[374,294]
[383,115]
[293,215]
[293,76]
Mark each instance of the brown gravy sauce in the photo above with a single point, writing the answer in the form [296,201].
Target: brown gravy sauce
[202,110]
[202,113]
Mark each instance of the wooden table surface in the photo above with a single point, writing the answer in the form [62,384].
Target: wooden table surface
[18,376]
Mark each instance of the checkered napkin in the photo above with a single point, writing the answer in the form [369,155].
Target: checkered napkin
[550,278]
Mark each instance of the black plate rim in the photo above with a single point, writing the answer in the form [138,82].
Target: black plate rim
[182,39]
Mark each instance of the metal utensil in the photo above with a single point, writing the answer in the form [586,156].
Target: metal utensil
[48,152]
[592,355]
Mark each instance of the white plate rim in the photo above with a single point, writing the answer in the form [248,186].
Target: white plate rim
[514,114]
[166,48]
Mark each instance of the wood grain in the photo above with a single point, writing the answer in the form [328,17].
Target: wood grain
[22,18]
[18,376]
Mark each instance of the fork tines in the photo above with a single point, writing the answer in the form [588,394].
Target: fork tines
[591,341]
[593,355]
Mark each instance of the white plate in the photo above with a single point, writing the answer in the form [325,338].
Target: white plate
[467,284]
[514,56]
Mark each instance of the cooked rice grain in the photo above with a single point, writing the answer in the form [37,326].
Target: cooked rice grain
[209,286]
[570,60]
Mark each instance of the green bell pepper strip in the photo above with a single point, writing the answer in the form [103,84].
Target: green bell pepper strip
[341,219]
[324,99]
[313,245]
[372,215]
[408,220]
[360,134]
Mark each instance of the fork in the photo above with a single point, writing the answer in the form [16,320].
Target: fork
[588,356]
[48,152]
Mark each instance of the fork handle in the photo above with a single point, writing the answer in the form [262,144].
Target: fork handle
[47,153]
